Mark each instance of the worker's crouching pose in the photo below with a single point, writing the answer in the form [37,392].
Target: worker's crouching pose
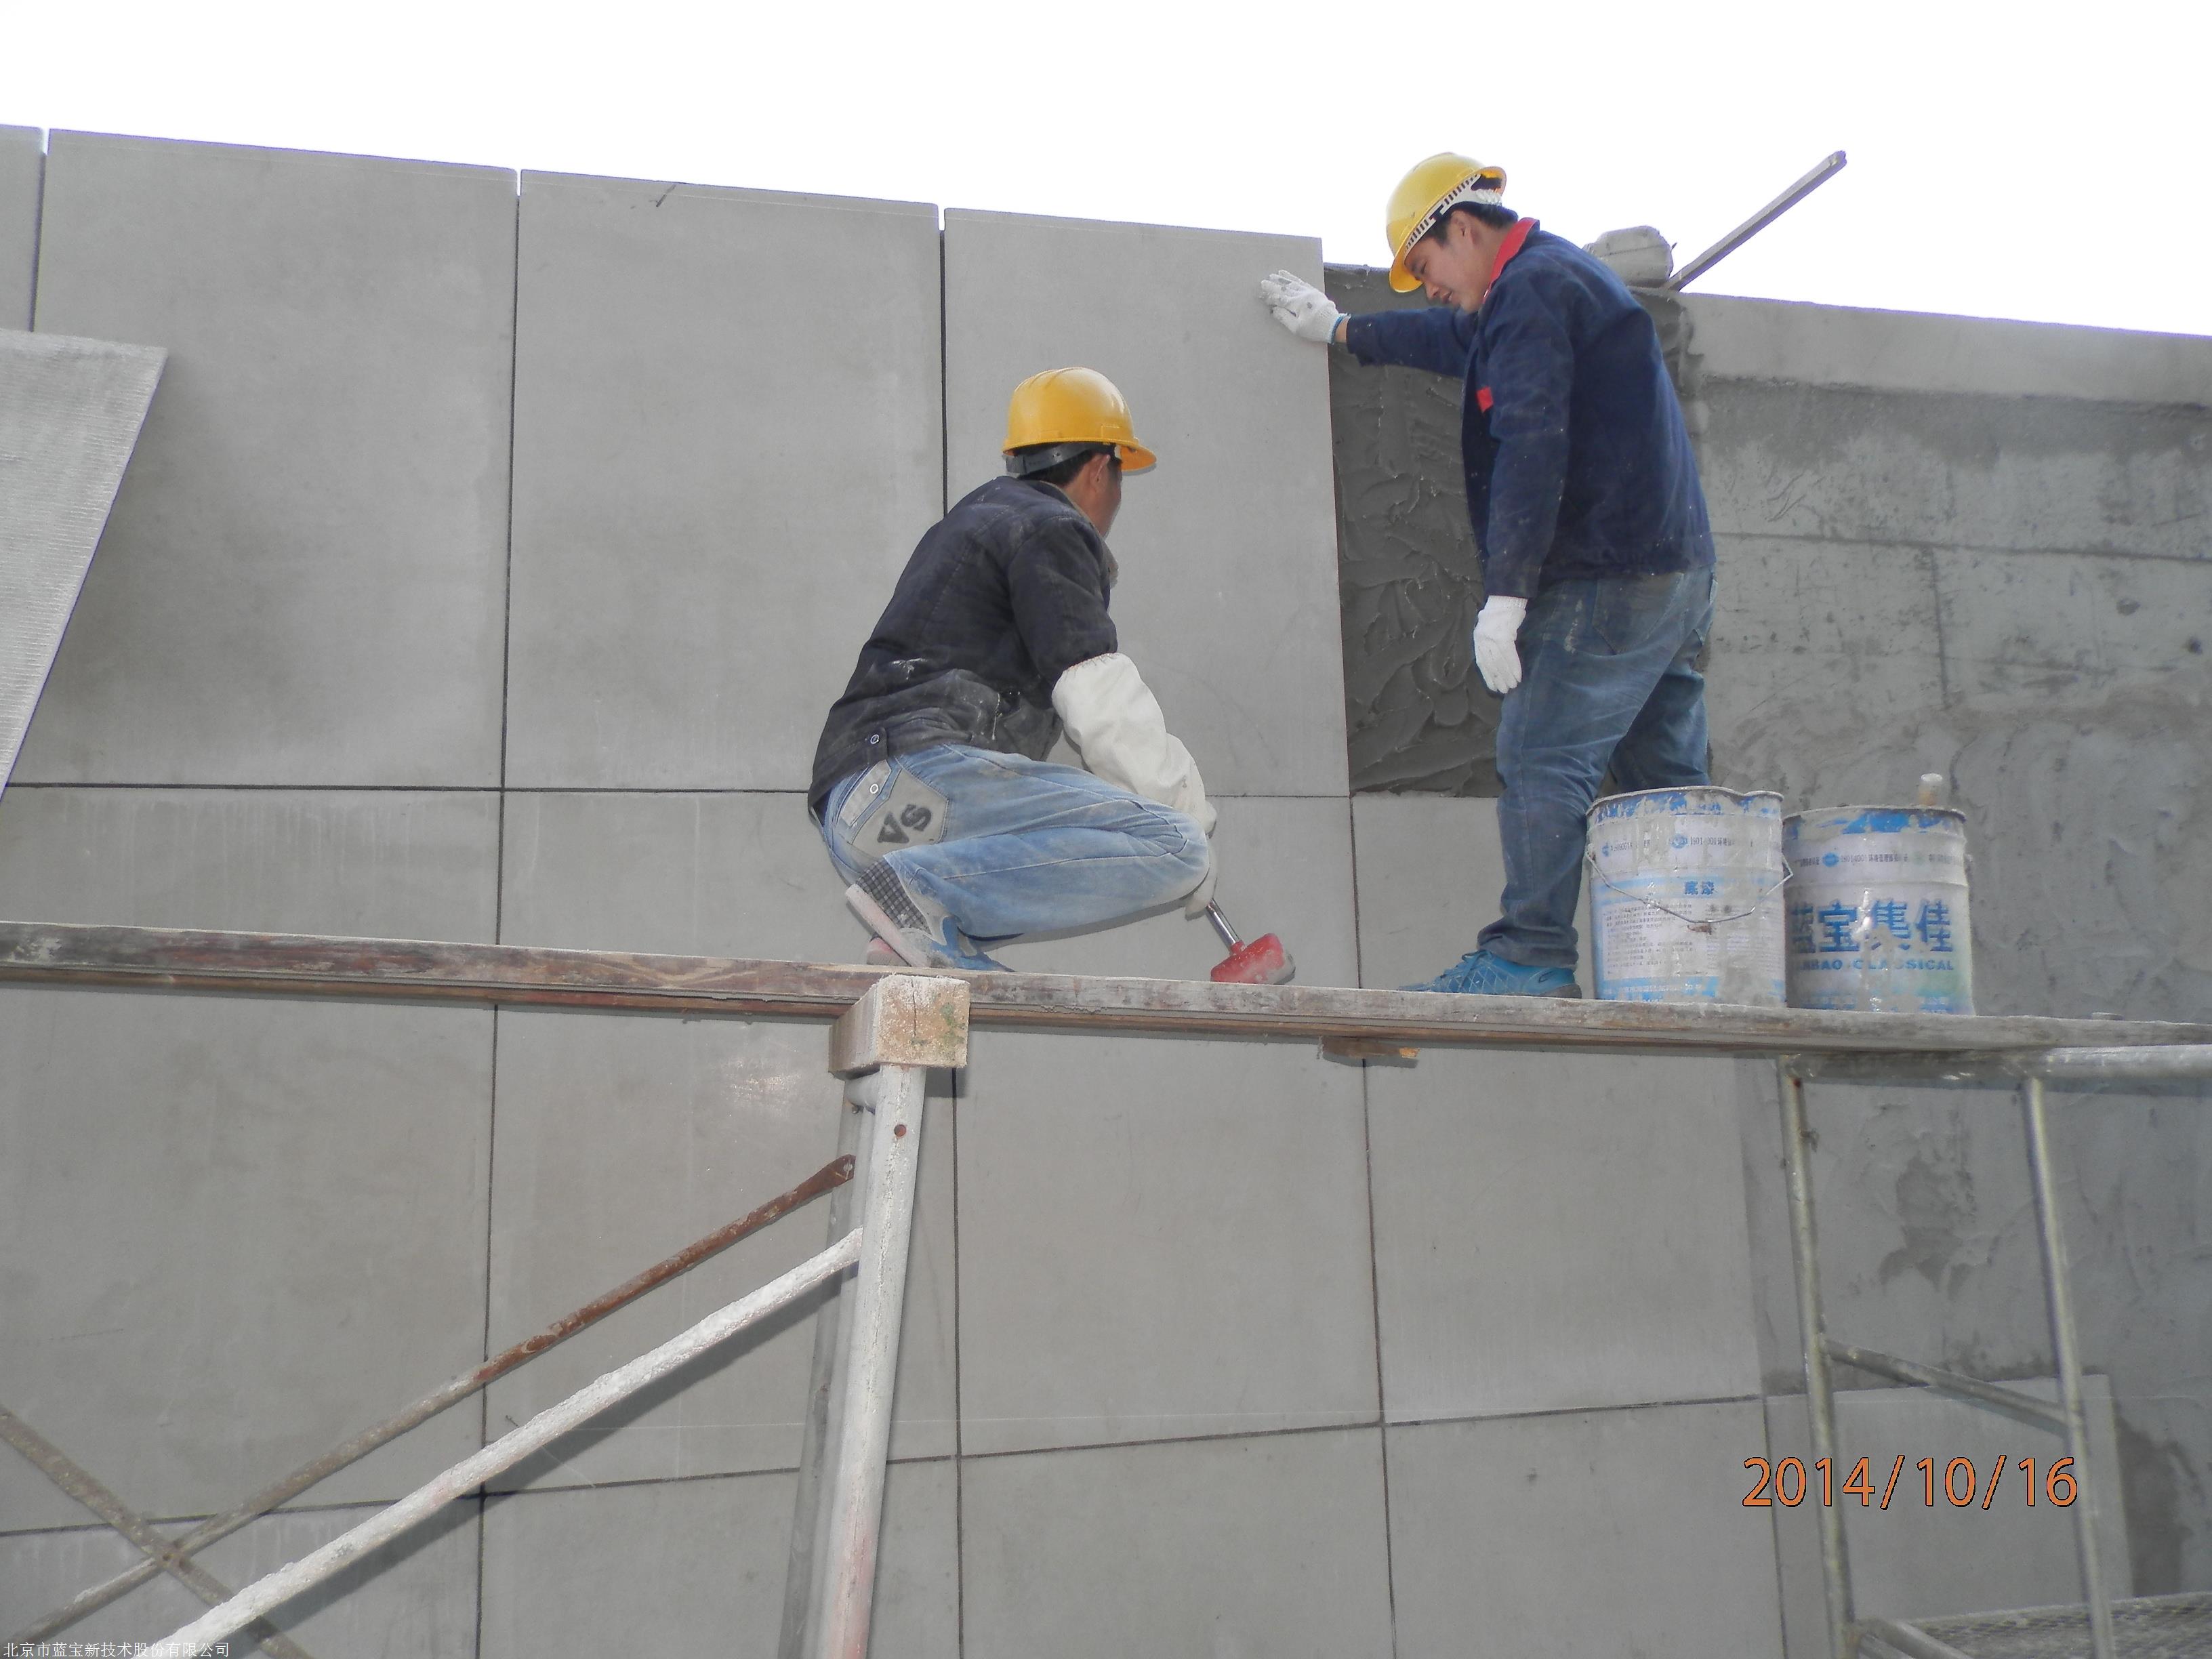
[931,784]
[1597,558]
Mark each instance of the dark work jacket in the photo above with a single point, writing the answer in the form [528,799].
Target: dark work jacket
[1005,594]
[1578,461]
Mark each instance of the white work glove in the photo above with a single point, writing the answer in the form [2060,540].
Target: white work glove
[1301,308]
[1116,724]
[1194,905]
[1495,631]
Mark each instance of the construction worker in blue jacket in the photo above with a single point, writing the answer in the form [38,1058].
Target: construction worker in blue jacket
[1597,556]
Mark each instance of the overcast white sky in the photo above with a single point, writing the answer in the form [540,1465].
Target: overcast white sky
[2010,161]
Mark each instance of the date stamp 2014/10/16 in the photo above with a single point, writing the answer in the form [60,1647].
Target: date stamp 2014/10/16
[1789,1483]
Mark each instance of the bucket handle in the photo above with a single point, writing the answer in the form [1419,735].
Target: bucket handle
[1705,925]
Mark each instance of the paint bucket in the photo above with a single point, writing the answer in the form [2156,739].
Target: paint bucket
[1685,896]
[1878,919]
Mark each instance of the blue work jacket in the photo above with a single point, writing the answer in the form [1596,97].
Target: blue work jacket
[1578,461]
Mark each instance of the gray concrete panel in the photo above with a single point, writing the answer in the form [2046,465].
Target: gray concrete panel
[1597,1533]
[1430,872]
[2047,475]
[386,864]
[414,1599]
[1827,661]
[1228,596]
[1159,1239]
[734,875]
[1908,351]
[1286,868]
[1928,1248]
[303,581]
[727,441]
[70,414]
[1558,1231]
[620,1140]
[1271,1545]
[1913,1559]
[22,166]
[237,1232]
[698,1566]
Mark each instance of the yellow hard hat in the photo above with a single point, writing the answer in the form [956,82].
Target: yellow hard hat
[1425,195]
[1074,406]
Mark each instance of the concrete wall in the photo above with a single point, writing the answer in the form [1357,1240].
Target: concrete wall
[489,557]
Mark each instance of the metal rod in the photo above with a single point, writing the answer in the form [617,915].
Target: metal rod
[161,1555]
[513,1447]
[1228,934]
[1823,170]
[1911,1640]
[2079,1066]
[2057,1275]
[503,975]
[1820,1391]
[2005,1402]
[830,1176]
[806,1516]
[871,1360]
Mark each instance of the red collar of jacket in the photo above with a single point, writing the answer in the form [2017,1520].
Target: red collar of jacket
[1506,250]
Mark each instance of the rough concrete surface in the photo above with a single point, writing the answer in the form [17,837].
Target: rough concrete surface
[1911,1560]
[22,166]
[1913,351]
[1928,1249]
[727,444]
[302,581]
[1227,594]
[1418,715]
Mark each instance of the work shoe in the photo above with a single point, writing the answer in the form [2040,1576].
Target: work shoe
[921,937]
[1480,974]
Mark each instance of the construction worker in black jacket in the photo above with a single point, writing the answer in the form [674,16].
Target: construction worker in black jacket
[1597,558]
[931,783]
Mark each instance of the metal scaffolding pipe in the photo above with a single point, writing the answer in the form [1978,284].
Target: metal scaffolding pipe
[829,1177]
[2078,1065]
[2005,1402]
[870,1365]
[509,1449]
[1819,1386]
[2057,1277]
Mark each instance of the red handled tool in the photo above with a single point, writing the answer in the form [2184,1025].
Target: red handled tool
[1263,962]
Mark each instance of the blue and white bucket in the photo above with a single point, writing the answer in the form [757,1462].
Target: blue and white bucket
[1878,917]
[1685,896]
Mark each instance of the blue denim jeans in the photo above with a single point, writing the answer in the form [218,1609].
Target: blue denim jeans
[1608,680]
[1025,847]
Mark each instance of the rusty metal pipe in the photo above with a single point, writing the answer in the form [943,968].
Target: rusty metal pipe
[831,1176]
